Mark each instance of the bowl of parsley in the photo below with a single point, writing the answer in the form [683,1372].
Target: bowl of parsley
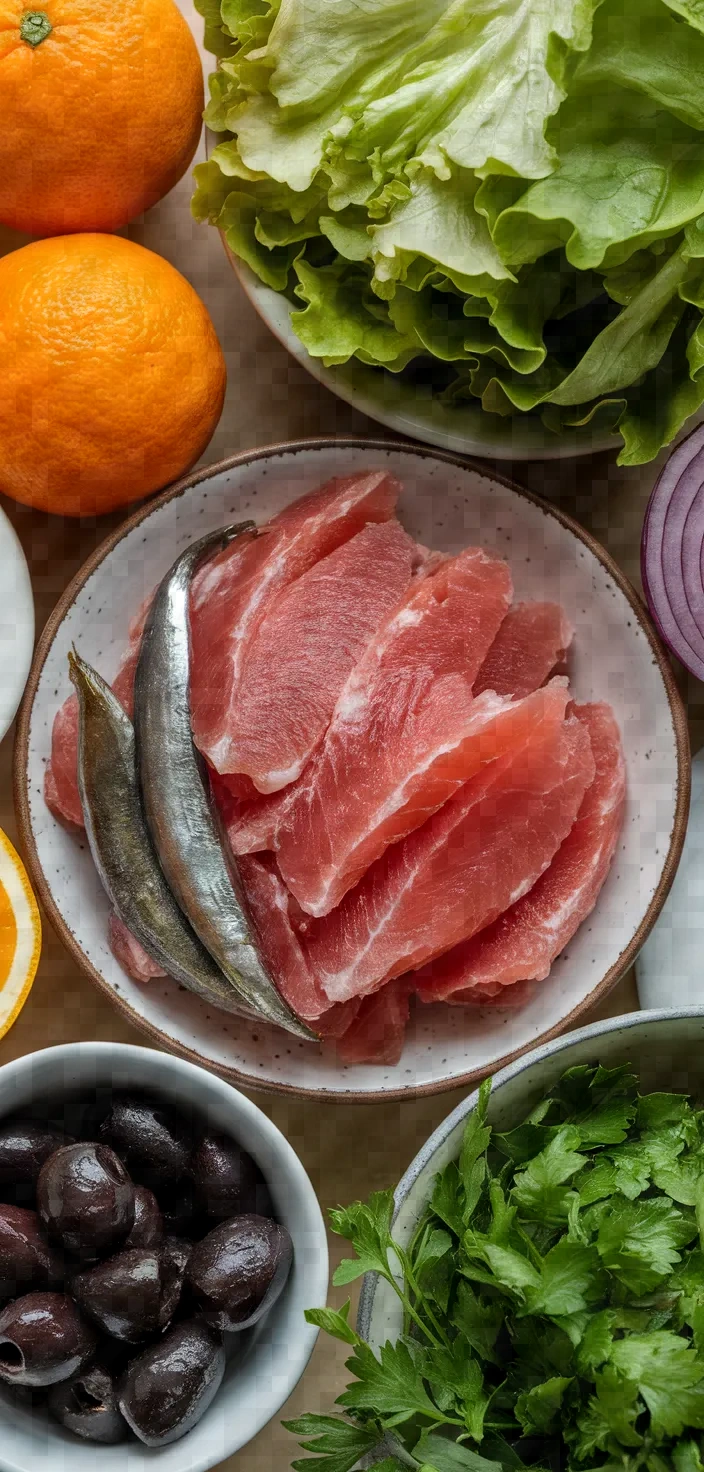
[533,1291]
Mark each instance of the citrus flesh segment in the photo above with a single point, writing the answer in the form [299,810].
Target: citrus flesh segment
[523,943]
[233,594]
[403,735]
[533,639]
[303,651]
[20,935]
[473,859]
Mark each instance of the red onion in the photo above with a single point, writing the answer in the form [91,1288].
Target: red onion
[672,553]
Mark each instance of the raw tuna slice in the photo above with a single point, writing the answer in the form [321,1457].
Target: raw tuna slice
[61,776]
[479,854]
[269,906]
[234,593]
[524,942]
[532,641]
[494,996]
[378,1032]
[299,658]
[131,955]
[390,755]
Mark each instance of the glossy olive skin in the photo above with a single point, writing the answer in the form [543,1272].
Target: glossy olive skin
[226,1179]
[148,1227]
[24,1146]
[26,1260]
[238,1271]
[168,1388]
[43,1339]
[86,1199]
[87,1405]
[150,1137]
[134,1295]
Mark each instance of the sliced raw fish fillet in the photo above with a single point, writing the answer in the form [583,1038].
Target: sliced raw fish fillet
[303,651]
[494,996]
[532,641]
[523,943]
[479,854]
[268,902]
[61,776]
[234,593]
[403,735]
[131,955]
[378,1032]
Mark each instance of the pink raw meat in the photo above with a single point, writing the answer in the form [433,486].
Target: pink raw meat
[494,996]
[61,776]
[524,942]
[268,902]
[303,650]
[532,640]
[131,955]
[378,1032]
[479,854]
[404,734]
[234,593]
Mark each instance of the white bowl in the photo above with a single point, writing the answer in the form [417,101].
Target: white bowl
[271,1363]
[409,408]
[447,504]
[665,1048]
[16,623]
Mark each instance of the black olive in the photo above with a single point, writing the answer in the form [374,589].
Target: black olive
[238,1271]
[152,1139]
[226,1179]
[43,1339]
[26,1261]
[87,1405]
[133,1296]
[169,1387]
[86,1199]
[24,1146]
[148,1226]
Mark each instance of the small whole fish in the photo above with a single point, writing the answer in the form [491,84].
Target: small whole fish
[178,807]
[122,848]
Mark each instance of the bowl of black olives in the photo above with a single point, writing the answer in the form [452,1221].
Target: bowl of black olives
[159,1241]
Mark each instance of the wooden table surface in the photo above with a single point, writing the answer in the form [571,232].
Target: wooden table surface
[348,1150]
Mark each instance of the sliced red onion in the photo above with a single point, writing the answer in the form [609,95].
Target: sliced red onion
[672,553]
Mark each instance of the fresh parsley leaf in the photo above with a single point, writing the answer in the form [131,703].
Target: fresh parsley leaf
[479,1320]
[337,1444]
[456,1370]
[638,1241]
[537,1409]
[686,1456]
[526,1141]
[608,1422]
[436,1454]
[368,1228]
[391,1387]
[539,1189]
[334,1322]
[596,1343]
[502,1215]
[509,1268]
[657,1110]
[570,1280]
[432,1245]
[669,1376]
[680,1178]
[472,1164]
[447,1201]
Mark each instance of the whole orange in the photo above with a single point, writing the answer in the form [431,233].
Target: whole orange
[111,376]
[100,111]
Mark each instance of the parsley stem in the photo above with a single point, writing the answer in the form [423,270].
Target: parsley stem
[410,1279]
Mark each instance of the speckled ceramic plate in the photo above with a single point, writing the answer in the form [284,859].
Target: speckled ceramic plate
[447,504]
[16,623]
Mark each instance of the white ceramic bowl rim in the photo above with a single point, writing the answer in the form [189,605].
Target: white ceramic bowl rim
[523,1064]
[277,1356]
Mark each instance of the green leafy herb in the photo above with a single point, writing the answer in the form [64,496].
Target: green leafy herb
[551,1298]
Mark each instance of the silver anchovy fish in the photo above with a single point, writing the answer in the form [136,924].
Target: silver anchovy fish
[178,807]
[122,849]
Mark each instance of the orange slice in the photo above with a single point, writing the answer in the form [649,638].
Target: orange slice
[20,935]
